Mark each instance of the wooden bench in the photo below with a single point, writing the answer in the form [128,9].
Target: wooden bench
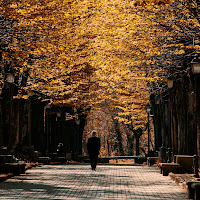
[165,168]
[44,160]
[6,159]
[15,168]
[62,160]
[153,160]
[186,163]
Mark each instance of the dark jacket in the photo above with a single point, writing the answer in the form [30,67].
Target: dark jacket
[93,145]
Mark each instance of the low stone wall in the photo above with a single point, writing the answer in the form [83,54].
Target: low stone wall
[137,159]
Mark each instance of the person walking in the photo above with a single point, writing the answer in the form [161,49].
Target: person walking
[93,147]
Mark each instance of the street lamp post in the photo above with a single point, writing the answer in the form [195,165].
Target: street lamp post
[47,129]
[10,77]
[1,115]
[157,99]
[77,120]
[195,64]
[170,82]
[78,139]
[148,125]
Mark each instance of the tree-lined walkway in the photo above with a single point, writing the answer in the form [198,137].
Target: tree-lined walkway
[79,182]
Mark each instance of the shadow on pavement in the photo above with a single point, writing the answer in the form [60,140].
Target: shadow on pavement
[68,182]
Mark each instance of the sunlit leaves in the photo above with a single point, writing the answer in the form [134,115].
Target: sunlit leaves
[99,53]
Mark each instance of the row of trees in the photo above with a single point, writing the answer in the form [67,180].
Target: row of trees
[97,54]
[117,138]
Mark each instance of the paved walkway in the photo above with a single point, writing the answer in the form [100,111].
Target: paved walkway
[79,182]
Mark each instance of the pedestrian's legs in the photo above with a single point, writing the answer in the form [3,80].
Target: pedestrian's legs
[92,161]
[95,161]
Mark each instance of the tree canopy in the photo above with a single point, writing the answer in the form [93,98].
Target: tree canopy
[99,54]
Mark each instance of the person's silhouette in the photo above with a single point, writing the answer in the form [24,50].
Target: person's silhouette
[93,147]
[60,150]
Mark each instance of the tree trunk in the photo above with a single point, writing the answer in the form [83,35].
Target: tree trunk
[130,144]
[137,138]
[119,137]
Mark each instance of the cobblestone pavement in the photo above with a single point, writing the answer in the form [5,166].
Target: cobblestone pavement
[79,182]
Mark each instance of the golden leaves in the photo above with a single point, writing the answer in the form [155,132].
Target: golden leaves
[99,53]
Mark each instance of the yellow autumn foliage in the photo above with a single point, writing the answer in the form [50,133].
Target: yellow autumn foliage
[99,53]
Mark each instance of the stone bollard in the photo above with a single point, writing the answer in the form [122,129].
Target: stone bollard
[169,155]
[196,166]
